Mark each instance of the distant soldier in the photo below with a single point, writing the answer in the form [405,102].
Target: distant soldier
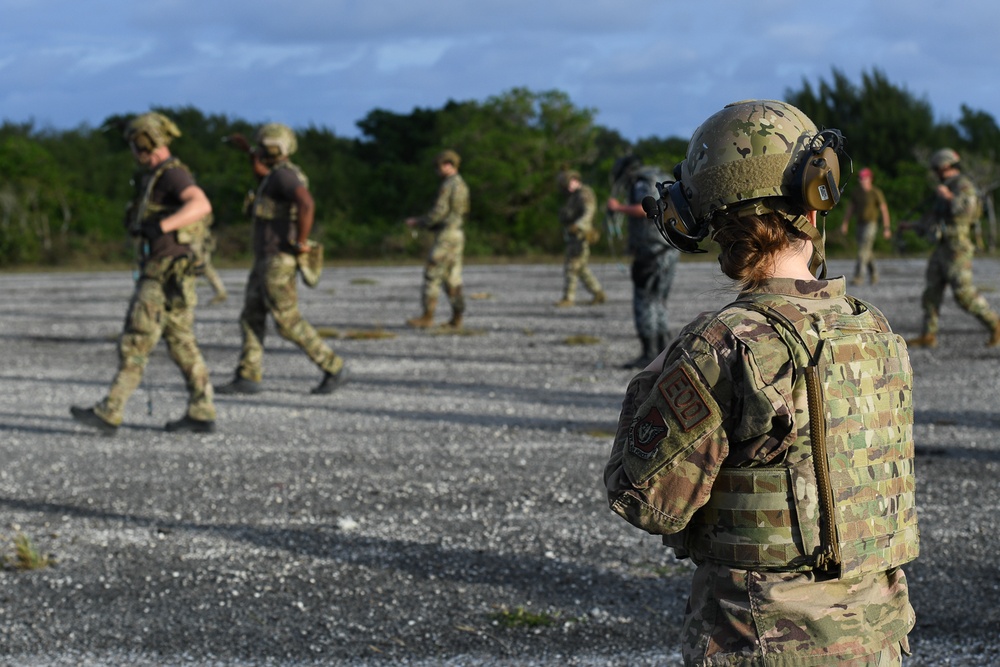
[168,216]
[444,263]
[577,218]
[868,202]
[956,209]
[654,262]
[282,211]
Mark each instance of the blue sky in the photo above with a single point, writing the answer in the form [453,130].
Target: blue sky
[648,67]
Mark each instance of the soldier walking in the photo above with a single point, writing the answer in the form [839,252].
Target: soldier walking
[868,202]
[444,263]
[956,209]
[283,213]
[169,217]
[577,218]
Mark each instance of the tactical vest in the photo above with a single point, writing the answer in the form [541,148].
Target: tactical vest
[192,235]
[957,229]
[842,500]
[268,209]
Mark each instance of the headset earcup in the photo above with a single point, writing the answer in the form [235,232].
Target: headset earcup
[821,180]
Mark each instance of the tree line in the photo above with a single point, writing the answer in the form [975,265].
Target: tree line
[63,192]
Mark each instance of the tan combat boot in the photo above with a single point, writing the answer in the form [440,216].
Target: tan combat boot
[599,298]
[995,336]
[923,340]
[564,303]
[425,320]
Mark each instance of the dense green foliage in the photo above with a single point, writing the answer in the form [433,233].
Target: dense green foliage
[62,193]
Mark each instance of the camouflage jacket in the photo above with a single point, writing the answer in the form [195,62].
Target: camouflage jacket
[717,403]
[577,213]
[957,216]
[450,207]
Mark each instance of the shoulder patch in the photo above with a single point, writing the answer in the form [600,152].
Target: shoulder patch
[684,398]
[645,433]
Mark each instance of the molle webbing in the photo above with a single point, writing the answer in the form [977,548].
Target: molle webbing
[843,499]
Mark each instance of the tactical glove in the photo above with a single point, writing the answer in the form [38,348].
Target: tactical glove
[151,230]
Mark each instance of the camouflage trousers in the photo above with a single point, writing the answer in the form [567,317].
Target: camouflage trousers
[272,289]
[746,618]
[867,231]
[577,269]
[652,277]
[948,266]
[162,305]
[444,266]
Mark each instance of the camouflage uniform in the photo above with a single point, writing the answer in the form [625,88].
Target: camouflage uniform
[868,205]
[271,287]
[444,263]
[723,437]
[577,216]
[951,261]
[654,264]
[163,303]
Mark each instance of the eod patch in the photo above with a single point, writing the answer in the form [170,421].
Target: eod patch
[684,398]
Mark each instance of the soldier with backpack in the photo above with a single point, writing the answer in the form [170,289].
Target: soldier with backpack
[772,442]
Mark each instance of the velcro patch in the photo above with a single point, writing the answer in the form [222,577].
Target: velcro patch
[645,433]
[684,398]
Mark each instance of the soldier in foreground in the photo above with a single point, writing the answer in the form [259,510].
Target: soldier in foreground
[282,211]
[798,525]
[654,262]
[868,202]
[956,209]
[577,218]
[444,263]
[168,216]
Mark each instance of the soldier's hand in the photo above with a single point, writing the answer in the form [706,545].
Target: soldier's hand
[151,230]
[411,222]
[238,141]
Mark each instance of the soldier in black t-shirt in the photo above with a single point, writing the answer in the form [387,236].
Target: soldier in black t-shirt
[282,219]
[169,213]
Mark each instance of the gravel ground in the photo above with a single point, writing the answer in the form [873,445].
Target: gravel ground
[444,508]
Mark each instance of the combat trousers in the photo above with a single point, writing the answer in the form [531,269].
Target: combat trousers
[867,231]
[162,305]
[953,266]
[652,277]
[576,269]
[272,289]
[444,265]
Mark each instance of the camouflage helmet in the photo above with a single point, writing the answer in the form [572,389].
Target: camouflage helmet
[150,130]
[565,176]
[448,156]
[275,140]
[944,158]
[750,150]
[756,155]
